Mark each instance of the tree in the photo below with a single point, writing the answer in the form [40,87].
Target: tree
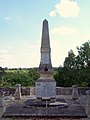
[84,53]
[70,60]
[76,69]
[2,73]
[65,77]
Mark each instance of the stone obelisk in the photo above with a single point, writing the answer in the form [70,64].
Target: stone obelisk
[45,48]
[45,85]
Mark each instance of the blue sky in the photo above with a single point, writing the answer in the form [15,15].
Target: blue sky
[21,27]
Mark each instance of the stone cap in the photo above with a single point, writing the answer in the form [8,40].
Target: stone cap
[74,86]
[18,85]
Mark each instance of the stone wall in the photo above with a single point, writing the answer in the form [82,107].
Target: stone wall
[59,90]
[68,90]
[64,90]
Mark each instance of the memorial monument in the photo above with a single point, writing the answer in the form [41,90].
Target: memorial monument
[45,85]
[45,103]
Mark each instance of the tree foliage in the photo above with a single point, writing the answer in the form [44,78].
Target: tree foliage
[76,69]
[21,76]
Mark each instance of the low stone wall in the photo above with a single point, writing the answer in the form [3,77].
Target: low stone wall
[68,90]
[8,91]
[59,90]
[64,90]
[82,90]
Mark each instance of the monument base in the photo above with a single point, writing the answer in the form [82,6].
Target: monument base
[31,109]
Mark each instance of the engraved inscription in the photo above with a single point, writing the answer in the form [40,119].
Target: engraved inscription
[46,89]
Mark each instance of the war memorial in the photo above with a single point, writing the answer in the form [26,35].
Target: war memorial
[45,103]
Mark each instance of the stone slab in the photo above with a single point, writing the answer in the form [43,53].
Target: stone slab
[46,102]
[19,110]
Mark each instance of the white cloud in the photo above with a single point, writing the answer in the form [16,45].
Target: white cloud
[67,8]
[59,50]
[28,55]
[3,51]
[64,31]
[86,36]
[52,13]
[32,52]
[4,56]
[25,55]
[7,18]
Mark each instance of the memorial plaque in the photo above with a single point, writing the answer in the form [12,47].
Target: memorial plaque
[46,89]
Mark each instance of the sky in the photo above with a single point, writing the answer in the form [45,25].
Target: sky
[21,30]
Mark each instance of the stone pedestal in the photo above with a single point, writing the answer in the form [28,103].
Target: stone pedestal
[88,103]
[46,86]
[18,92]
[75,92]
